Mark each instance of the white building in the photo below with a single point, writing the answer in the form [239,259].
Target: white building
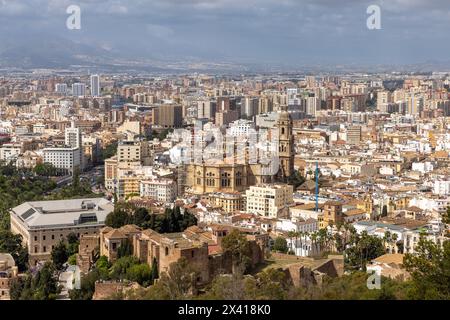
[78,89]
[163,190]
[303,246]
[39,128]
[64,158]
[422,167]
[10,151]
[271,200]
[441,187]
[297,225]
[95,85]
[240,127]
[73,139]
[61,88]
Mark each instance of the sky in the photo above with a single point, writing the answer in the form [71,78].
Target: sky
[250,31]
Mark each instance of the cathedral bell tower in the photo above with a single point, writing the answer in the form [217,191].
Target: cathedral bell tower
[285,144]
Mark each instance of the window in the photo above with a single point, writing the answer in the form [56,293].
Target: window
[35,249]
[167,251]
[53,237]
[225,181]
[44,249]
[43,238]
[192,253]
[35,238]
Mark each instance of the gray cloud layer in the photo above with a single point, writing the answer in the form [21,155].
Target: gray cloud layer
[271,31]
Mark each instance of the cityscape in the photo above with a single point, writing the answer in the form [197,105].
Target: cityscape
[203,179]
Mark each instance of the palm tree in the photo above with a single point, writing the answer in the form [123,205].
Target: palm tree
[394,241]
[292,234]
[387,238]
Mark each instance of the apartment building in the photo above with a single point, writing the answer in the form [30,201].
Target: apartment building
[163,190]
[269,200]
[129,151]
[10,151]
[64,158]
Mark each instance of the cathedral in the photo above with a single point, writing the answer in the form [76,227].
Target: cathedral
[229,175]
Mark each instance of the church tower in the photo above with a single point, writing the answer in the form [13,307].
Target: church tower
[285,144]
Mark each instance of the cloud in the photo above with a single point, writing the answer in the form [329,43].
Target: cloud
[292,31]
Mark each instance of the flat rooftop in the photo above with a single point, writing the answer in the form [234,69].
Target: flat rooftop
[62,213]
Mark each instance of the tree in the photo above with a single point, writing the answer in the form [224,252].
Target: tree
[72,243]
[227,287]
[60,254]
[87,286]
[12,244]
[176,284]
[429,267]
[45,169]
[140,273]
[72,260]
[384,212]
[102,265]
[154,272]
[238,246]
[188,220]
[141,217]
[446,216]
[125,249]
[270,284]
[117,218]
[118,270]
[351,286]
[280,245]
[109,151]
[41,286]
[296,179]
[364,248]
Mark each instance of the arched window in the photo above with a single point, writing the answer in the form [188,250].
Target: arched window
[225,181]
[167,251]
[239,179]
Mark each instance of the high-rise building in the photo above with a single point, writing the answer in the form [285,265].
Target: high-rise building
[312,104]
[61,88]
[73,136]
[414,104]
[95,85]
[206,109]
[249,106]
[78,89]
[73,140]
[354,134]
[168,115]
